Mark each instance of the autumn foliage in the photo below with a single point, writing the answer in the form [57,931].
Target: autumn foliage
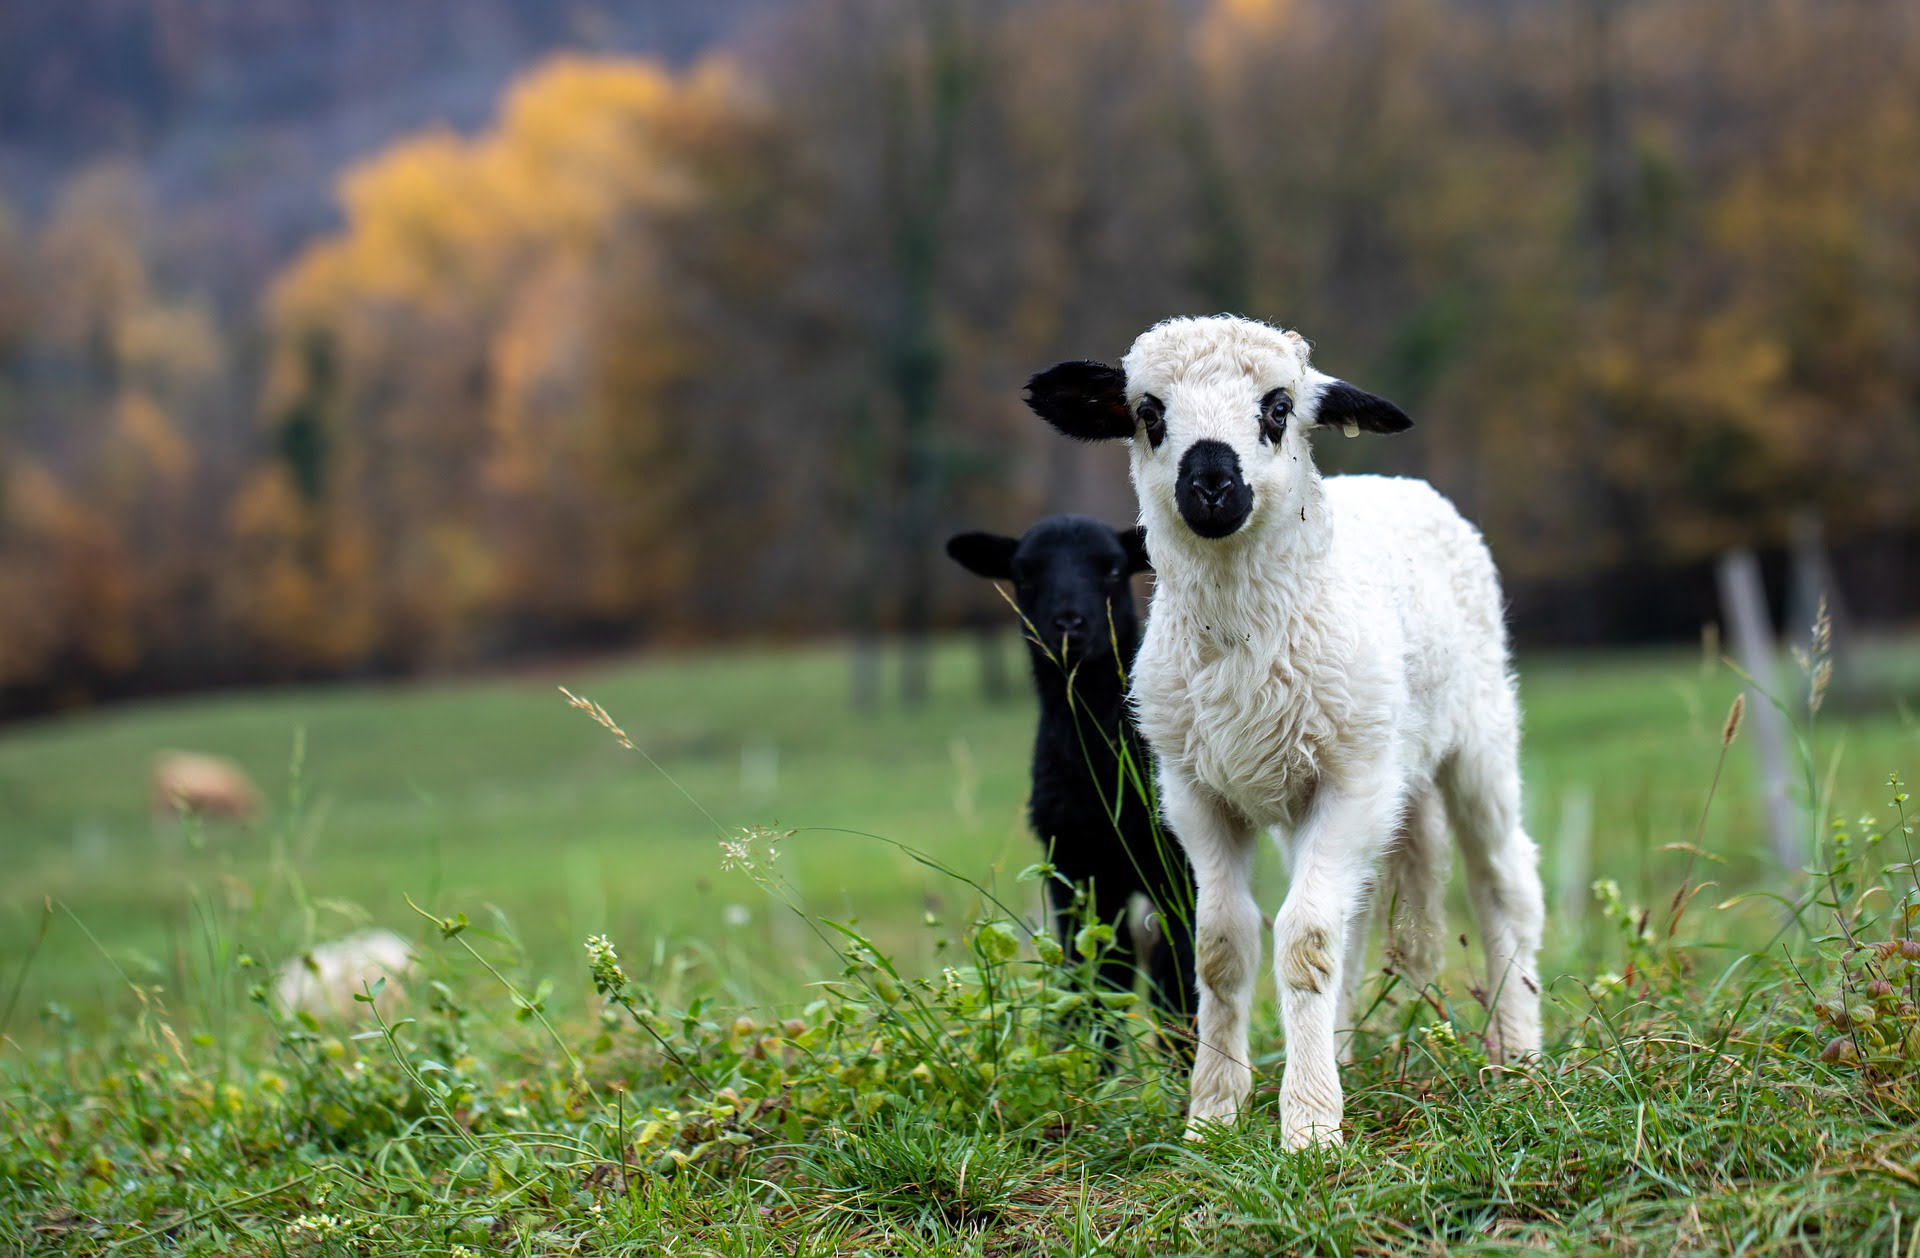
[718,349]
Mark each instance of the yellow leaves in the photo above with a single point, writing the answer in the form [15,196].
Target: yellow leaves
[1260,16]
[177,343]
[466,314]
[92,244]
[438,221]
[1230,29]
[149,436]
[535,354]
[589,136]
[463,569]
[1737,370]
[307,597]
[65,579]
[417,213]
[36,500]
[97,301]
[266,508]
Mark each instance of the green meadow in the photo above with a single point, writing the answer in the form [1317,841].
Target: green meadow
[153,1105]
[472,796]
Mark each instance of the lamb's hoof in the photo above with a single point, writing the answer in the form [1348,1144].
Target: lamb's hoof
[1516,1046]
[1207,1117]
[1313,1136]
[1523,1056]
[1513,1065]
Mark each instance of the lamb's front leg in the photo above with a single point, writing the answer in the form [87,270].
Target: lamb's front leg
[1335,851]
[1219,846]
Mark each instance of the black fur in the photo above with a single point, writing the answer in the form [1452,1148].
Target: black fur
[1072,580]
[1341,403]
[1084,400]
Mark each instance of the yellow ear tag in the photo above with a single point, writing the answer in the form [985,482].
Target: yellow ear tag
[1351,428]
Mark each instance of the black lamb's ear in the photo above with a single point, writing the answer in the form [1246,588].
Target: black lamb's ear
[986,555]
[1085,400]
[1134,542]
[1340,405]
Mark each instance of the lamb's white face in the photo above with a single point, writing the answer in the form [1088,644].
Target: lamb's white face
[1221,407]
[1216,411]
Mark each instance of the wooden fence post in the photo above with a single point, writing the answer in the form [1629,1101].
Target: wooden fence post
[1573,875]
[1743,602]
[1814,586]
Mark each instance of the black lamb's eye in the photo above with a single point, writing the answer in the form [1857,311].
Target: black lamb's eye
[1115,572]
[1153,419]
[1274,409]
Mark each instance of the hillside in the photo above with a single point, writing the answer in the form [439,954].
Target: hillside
[245,114]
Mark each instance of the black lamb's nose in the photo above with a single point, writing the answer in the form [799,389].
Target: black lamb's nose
[1070,622]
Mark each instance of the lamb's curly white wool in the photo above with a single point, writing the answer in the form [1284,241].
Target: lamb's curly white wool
[1325,657]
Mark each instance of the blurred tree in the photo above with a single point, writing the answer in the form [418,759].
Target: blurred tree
[725,350]
[438,375]
[102,511]
[924,109]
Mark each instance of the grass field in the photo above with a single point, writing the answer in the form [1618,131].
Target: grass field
[150,1106]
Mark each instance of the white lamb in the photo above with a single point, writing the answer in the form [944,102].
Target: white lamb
[1324,657]
[324,979]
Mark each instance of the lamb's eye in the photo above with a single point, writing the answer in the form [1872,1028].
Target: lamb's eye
[1274,409]
[1153,419]
[1115,572]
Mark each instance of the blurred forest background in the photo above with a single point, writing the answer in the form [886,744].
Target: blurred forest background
[342,337]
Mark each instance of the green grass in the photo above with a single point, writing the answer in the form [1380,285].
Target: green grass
[150,1105]
[496,793]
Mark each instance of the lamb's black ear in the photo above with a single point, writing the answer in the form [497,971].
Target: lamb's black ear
[1340,405]
[1084,400]
[1134,542]
[983,554]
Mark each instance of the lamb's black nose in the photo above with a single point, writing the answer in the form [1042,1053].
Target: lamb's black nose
[1213,497]
[1213,484]
[1069,623]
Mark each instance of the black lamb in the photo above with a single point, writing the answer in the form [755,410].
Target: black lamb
[1072,579]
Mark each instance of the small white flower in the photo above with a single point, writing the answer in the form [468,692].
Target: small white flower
[318,1226]
[736,914]
[604,962]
